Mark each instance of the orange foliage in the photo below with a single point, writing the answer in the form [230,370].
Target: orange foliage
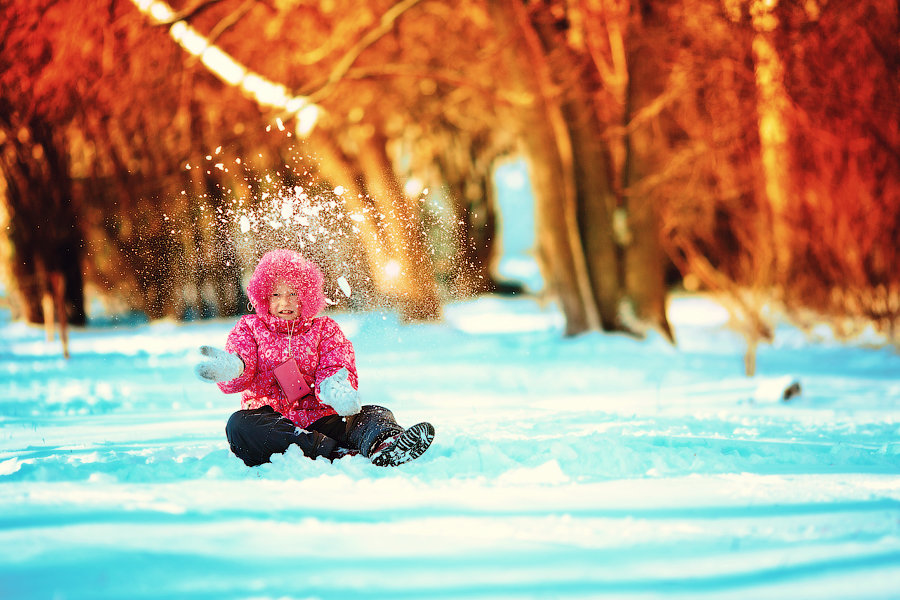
[846,136]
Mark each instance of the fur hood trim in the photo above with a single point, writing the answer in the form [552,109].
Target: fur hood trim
[299,273]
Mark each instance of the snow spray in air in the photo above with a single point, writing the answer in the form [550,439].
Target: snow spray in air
[370,251]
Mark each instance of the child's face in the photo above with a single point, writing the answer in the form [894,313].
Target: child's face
[284,302]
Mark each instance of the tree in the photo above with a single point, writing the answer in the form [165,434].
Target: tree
[845,184]
[716,136]
[45,231]
[580,132]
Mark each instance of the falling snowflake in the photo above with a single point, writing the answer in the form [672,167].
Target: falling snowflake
[344,285]
[287,209]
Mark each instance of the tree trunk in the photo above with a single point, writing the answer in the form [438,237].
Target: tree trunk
[413,281]
[474,217]
[644,261]
[645,266]
[596,205]
[44,232]
[593,170]
[339,169]
[390,229]
[219,265]
[549,150]
[772,105]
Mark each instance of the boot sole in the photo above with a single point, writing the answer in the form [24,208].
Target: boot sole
[411,444]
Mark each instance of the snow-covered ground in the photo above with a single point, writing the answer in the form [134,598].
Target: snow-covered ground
[598,466]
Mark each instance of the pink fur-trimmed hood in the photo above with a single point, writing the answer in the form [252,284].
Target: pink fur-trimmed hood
[302,275]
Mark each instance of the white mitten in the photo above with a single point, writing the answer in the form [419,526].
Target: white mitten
[221,366]
[337,392]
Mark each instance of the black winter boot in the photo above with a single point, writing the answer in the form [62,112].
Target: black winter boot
[403,447]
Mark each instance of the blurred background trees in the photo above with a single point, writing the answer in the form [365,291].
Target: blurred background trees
[746,147]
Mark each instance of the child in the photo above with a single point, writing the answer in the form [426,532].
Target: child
[324,418]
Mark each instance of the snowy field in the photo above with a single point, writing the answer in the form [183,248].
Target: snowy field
[592,467]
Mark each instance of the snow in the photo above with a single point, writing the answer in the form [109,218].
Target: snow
[344,285]
[587,467]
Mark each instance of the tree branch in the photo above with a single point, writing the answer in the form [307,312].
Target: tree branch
[443,75]
[188,12]
[230,21]
[343,65]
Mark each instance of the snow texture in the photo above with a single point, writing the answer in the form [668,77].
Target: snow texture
[587,467]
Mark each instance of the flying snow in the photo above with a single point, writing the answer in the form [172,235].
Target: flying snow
[287,209]
[344,285]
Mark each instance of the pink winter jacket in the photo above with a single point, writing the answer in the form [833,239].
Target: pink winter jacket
[264,341]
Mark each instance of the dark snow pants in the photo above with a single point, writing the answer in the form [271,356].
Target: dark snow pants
[256,434]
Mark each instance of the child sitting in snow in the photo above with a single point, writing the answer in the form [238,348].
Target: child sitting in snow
[324,418]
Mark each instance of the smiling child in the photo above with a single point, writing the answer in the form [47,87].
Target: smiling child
[284,347]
